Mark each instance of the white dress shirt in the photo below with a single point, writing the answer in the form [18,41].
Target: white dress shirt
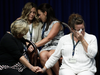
[83,61]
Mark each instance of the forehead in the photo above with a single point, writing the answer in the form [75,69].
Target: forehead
[33,9]
[39,11]
[79,26]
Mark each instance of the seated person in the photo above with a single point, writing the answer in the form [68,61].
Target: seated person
[52,31]
[12,60]
[78,50]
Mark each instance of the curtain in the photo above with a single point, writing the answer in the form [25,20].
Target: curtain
[10,10]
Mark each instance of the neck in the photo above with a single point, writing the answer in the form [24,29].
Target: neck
[30,22]
[75,39]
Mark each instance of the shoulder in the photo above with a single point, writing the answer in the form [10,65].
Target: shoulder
[90,36]
[65,37]
[39,25]
[7,38]
[55,22]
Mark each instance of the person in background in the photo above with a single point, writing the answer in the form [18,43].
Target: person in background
[12,60]
[52,31]
[29,13]
[78,50]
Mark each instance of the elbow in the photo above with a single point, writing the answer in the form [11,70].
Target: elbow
[92,54]
[92,51]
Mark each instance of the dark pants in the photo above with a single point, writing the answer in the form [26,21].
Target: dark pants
[15,72]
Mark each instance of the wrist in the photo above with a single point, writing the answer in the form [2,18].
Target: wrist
[30,67]
[36,45]
[83,41]
[44,69]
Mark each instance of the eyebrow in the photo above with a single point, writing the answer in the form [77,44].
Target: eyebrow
[79,29]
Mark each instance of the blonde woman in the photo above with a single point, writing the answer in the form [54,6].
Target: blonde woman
[12,60]
[29,13]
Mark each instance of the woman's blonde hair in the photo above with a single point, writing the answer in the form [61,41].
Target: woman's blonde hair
[26,11]
[19,27]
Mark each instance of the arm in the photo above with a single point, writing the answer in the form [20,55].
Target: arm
[24,61]
[85,44]
[54,31]
[41,70]
[90,45]
[80,37]
[53,58]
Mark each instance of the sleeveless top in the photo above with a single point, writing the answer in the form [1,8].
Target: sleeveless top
[51,45]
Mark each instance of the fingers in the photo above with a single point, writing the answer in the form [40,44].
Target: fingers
[77,35]
[38,69]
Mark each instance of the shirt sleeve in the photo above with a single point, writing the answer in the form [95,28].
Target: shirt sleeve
[55,56]
[39,32]
[92,47]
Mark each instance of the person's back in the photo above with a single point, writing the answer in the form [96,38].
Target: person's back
[5,43]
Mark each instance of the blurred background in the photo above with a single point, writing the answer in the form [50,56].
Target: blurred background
[10,10]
